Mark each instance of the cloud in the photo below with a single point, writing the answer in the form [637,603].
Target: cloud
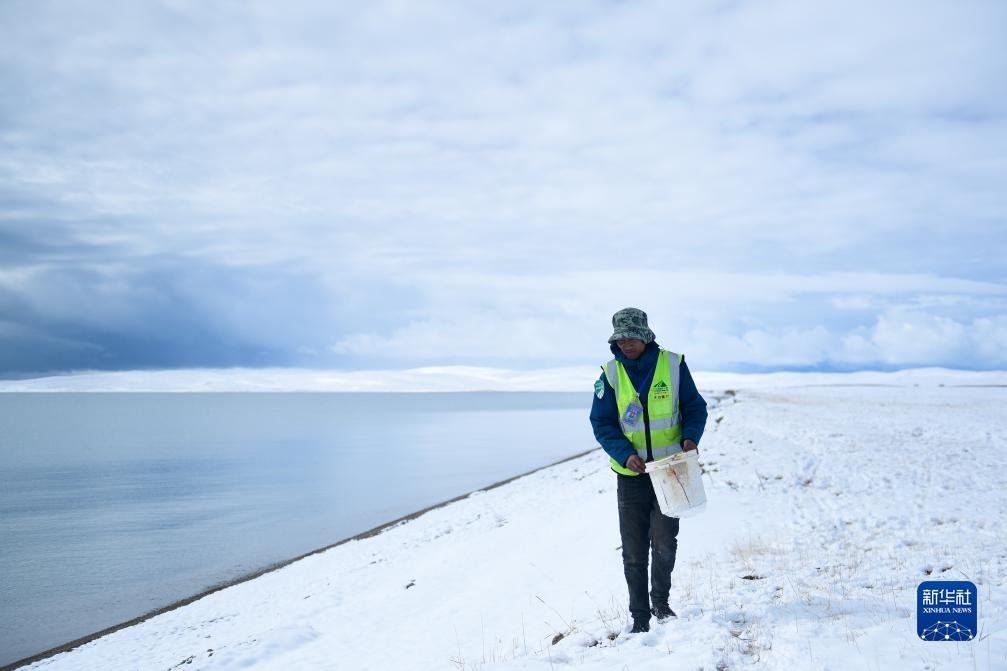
[164,313]
[326,184]
[913,338]
[721,321]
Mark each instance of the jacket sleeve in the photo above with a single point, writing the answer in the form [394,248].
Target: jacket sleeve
[605,422]
[691,405]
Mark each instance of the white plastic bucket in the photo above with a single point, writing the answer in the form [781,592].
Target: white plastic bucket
[678,484]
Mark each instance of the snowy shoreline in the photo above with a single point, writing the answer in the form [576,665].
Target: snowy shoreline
[827,507]
[374,531]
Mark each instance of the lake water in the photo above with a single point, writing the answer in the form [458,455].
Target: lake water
[112,505]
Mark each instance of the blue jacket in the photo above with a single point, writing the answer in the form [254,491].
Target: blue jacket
[605,411]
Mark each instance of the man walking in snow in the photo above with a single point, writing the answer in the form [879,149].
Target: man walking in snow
[646,407]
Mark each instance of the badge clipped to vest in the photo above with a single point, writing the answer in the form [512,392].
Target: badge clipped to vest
[632,414]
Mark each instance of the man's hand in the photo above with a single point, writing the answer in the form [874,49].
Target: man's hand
[688,444]
[635,463]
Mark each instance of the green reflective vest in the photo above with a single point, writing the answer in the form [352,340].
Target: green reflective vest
[664,420]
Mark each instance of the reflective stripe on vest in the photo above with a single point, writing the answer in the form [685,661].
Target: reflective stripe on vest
[664,420]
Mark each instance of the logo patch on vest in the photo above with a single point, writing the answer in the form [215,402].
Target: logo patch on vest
[660,391]
[599,388]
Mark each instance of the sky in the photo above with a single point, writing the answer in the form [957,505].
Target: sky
[781,185]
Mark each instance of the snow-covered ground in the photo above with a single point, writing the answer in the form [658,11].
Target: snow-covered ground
[828,505]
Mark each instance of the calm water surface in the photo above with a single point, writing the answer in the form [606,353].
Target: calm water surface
[112,505]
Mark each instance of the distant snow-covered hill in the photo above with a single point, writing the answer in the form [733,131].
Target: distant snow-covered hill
[451,378]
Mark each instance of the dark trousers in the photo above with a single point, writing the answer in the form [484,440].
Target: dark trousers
[644,531]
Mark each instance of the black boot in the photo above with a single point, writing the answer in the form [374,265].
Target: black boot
[640,625]
[663,612]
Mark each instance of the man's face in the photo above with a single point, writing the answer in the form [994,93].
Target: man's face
[631,347]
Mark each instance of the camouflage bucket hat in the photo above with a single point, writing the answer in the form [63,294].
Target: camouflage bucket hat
[631,323]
